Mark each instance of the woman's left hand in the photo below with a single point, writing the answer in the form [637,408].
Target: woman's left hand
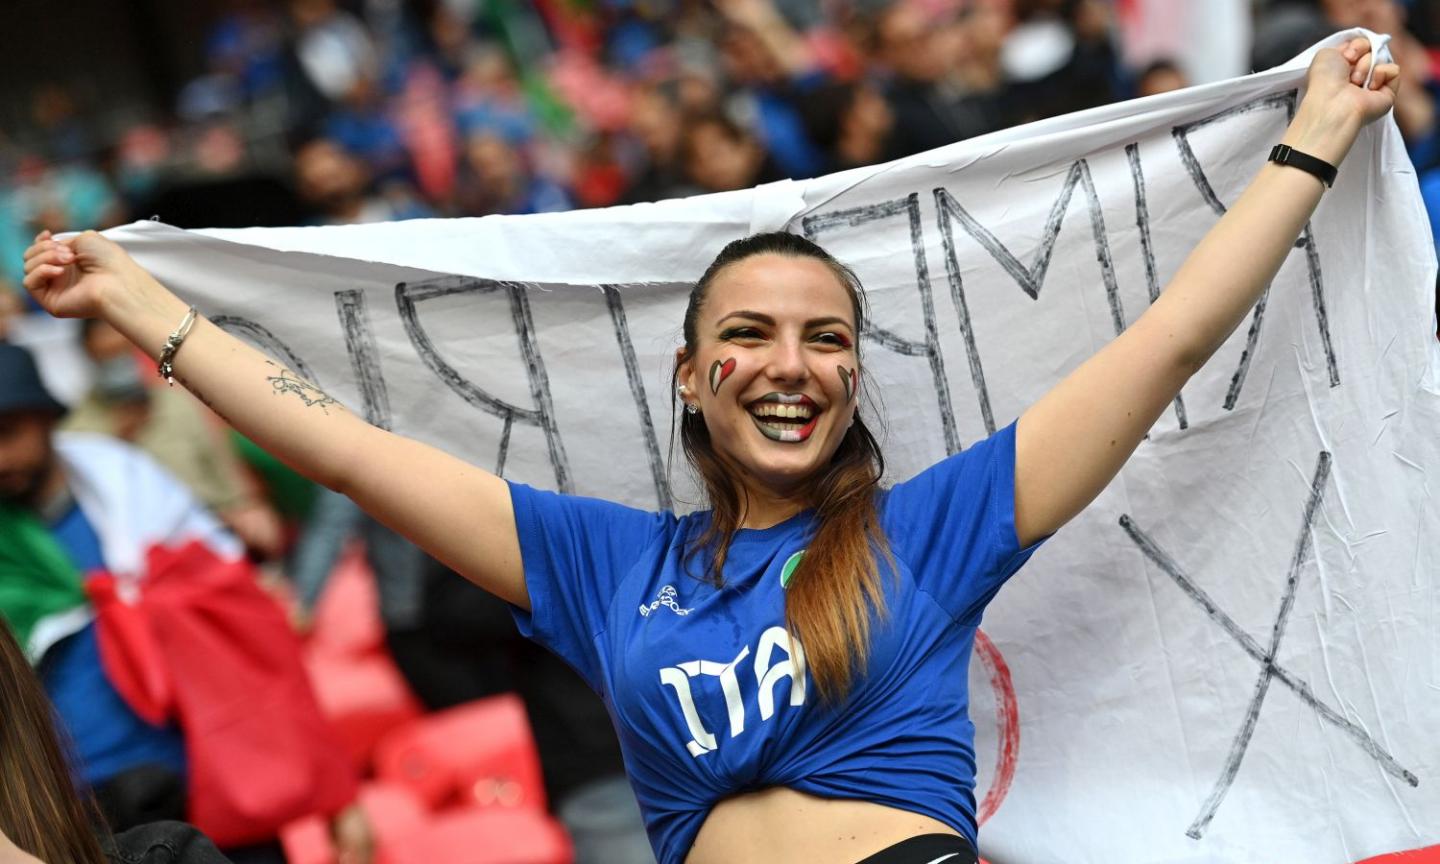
[1373,99]
[1338,102]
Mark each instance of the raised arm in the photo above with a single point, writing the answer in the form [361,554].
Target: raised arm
[787,48]
[458,513]
[1072,442]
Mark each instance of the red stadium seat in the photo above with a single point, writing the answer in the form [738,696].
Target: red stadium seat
[478,754]
[483,836]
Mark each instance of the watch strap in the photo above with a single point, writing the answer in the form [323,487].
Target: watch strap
[1284,154]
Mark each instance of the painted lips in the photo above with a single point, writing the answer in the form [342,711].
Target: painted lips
[787,435]
[772,415]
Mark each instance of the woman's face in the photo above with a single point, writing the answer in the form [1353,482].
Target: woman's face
[774,370]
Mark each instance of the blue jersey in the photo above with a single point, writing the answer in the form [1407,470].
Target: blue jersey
[707,691]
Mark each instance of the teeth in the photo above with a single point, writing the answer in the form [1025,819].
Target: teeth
[789,412]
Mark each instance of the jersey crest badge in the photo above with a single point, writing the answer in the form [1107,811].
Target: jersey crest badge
[667,598]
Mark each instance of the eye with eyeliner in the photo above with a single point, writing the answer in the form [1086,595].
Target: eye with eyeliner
[831,337]
[731,333]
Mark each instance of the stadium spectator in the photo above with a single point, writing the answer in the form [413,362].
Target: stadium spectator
[448,107]
[74,507]
[929,109]
[338,189]
[1161,76]
[11,307]
[172,427]
[496,176]
[719,156]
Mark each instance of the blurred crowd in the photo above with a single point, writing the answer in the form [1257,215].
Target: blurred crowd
[323,111]
[315,111]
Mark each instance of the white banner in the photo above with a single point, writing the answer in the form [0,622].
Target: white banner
[1232,656]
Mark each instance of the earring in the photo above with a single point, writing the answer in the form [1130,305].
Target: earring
[690,407]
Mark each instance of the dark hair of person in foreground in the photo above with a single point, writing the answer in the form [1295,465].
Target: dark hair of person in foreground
[40,810]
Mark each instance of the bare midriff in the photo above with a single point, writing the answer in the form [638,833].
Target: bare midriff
[779,825]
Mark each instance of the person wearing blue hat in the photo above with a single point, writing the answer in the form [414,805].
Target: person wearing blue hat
[48,541]
[21,388]
[28,413]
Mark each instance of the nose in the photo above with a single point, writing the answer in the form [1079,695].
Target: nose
[787,362]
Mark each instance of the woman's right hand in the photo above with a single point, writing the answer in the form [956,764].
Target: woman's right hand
[73,278]
[457,512]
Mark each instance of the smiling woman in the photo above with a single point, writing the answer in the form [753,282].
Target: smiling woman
[788,669]
[776,352]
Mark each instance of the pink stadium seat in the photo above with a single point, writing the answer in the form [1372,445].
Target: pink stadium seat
[307,841]
[393,811]
[363,697]
[356,682]
[478,754]
[483,836]
[347,616]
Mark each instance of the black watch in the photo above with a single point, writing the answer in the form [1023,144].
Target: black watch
[1284,154]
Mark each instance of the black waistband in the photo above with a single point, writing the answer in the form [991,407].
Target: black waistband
[925,849]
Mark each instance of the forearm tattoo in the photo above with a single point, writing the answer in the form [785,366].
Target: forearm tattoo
[312,396]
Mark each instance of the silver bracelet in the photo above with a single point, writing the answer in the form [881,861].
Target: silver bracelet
[172,345]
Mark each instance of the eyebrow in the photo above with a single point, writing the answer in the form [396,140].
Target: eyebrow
[770,321]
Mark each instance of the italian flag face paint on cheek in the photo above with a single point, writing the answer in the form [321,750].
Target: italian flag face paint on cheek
[849,380]
[719,371]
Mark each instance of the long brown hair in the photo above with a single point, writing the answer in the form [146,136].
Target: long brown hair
[836,588]
[40,810]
